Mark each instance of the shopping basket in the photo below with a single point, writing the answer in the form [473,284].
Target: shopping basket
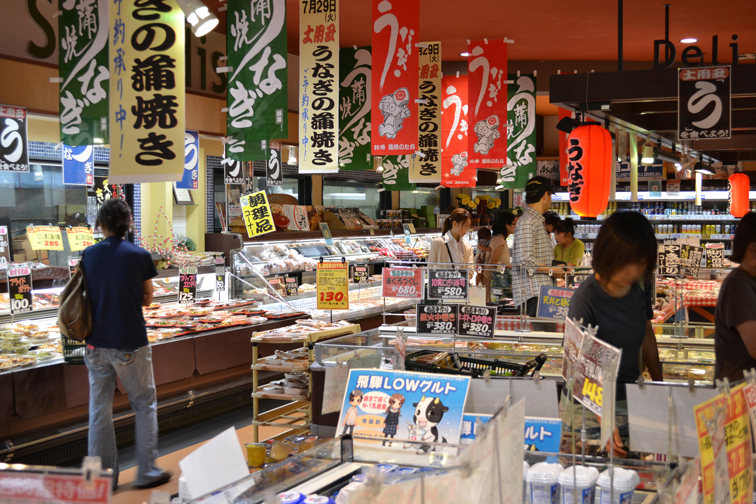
[474,367]
[73,351]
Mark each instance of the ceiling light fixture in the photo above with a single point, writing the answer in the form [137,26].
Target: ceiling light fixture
[689,40]
[648,154]
[198,16]
[699,168]
[464,54]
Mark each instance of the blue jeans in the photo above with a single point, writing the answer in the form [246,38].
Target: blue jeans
[134,368]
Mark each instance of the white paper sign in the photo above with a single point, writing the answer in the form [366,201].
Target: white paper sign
[215,464]
[298,220]
[334,389]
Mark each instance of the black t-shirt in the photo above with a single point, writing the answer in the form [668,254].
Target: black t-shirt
[621,323]
[115,270]
[736,304]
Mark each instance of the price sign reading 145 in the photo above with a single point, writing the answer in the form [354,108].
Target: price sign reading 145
[20,289]
[187,284]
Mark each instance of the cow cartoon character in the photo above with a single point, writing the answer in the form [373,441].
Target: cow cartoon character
[488,132]
[395,111]
[428,414]
[460,163]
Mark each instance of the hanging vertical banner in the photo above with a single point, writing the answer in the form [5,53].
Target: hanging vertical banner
[396,170]
[273,168]
[563,159]
[487,70]
[14,152]
[257,78]
[455,169]
[704,103]
[354,108]
[521,132]
[83,66]
[319,87]
[147,66]
[191,161]
[78,165]
[428,168]
[395,34]
[233,171]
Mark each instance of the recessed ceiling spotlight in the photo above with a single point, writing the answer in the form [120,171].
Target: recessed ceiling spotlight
[689,40]
[465,54]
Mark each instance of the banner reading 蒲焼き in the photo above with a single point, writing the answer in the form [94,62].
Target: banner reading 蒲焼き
[455,169]
[83,66]
[147,84]
[487,72]
[319,87]
[396,170]
[428,168]
[257,79]
[396,27]
[354,108]
[521,137]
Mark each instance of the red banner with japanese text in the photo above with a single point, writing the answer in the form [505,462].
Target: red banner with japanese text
[487,70]
[563,160]
[395,75]
[455,169]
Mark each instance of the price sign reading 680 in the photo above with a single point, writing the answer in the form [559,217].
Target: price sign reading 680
[447,284]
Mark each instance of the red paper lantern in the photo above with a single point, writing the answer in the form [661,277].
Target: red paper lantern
[740,187]
[589,178]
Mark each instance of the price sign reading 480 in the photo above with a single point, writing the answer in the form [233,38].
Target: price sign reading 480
[187,284]
[437,319]
[447,284]
[477,321]
[20,289]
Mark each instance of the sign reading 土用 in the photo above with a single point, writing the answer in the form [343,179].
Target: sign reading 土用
[427,169]
[704,103]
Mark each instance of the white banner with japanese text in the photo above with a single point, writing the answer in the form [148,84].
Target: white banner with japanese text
[428,168]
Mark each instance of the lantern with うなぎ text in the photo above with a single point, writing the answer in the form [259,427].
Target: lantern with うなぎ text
[740,187]
[589,178]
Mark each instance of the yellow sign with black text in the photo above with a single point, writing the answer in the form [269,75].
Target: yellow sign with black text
[333,285]
[80,238]
[45,237]
[257,215]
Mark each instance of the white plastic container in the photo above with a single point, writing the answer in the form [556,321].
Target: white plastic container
[625,481]
[525,496]
[543,481]
[583,480]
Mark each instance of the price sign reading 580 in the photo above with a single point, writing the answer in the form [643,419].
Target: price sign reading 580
[447,284]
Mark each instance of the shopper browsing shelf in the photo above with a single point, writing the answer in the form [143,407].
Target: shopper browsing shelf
[451,248]
[551,220]
[735,314]
[618,299]
[118,276]
[569,250]
[498,249]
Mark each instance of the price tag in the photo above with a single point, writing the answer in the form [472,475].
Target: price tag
[20,289]
[402,282]
[407,232]
[278,284]
[80,238]
[595,361]
[573,340]
[292,289]
[673,187]
[187,284]
[326,234]
[715,255]
[554,303]
[372,232]
[257,215]
[436,319]
[574,281]
[361,274]
[333,285]
[447,284]
[477,321]
[4,246]
[73,263]
[45,237]
[220,273]
[264,272]
[412,228]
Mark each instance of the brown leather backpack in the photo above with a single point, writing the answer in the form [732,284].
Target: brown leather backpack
[75,313]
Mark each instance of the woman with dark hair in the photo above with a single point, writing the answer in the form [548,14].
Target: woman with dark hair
[118,276]
[550,221]
[735,314]
[450,247]
[618,299]
[569,250]
[497,248]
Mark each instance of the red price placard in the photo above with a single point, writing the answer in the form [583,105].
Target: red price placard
[403,282]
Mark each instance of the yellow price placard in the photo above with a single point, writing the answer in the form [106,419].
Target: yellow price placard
[45,237]
[257,215]
[333,285]
[80,238]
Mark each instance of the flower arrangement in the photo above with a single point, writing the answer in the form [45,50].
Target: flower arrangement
[466,202]
[480,204]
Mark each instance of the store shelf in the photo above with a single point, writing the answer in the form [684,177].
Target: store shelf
[281,397]
[281,369]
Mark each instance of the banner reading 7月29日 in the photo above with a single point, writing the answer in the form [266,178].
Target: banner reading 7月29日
[427,169]
[319,87]
[487,70]
[396,26]
[455,171]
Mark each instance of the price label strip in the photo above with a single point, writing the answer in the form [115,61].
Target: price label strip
[45,237]
[292,289]
[187,284]
[73,263]
[479,321]
[20,289]
[448,284]
[80,238]
[436,319]
[220,274]
[361,274]
[403,282]
[333,285]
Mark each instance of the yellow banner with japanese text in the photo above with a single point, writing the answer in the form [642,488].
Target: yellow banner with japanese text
[80,238]
[147,85]
[427,169]
[257,215]
[45,237]
[333,285]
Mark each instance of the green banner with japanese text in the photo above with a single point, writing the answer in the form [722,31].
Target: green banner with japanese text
[354,108]
[521,135]
[84,69]
[257,77]
[396,170]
